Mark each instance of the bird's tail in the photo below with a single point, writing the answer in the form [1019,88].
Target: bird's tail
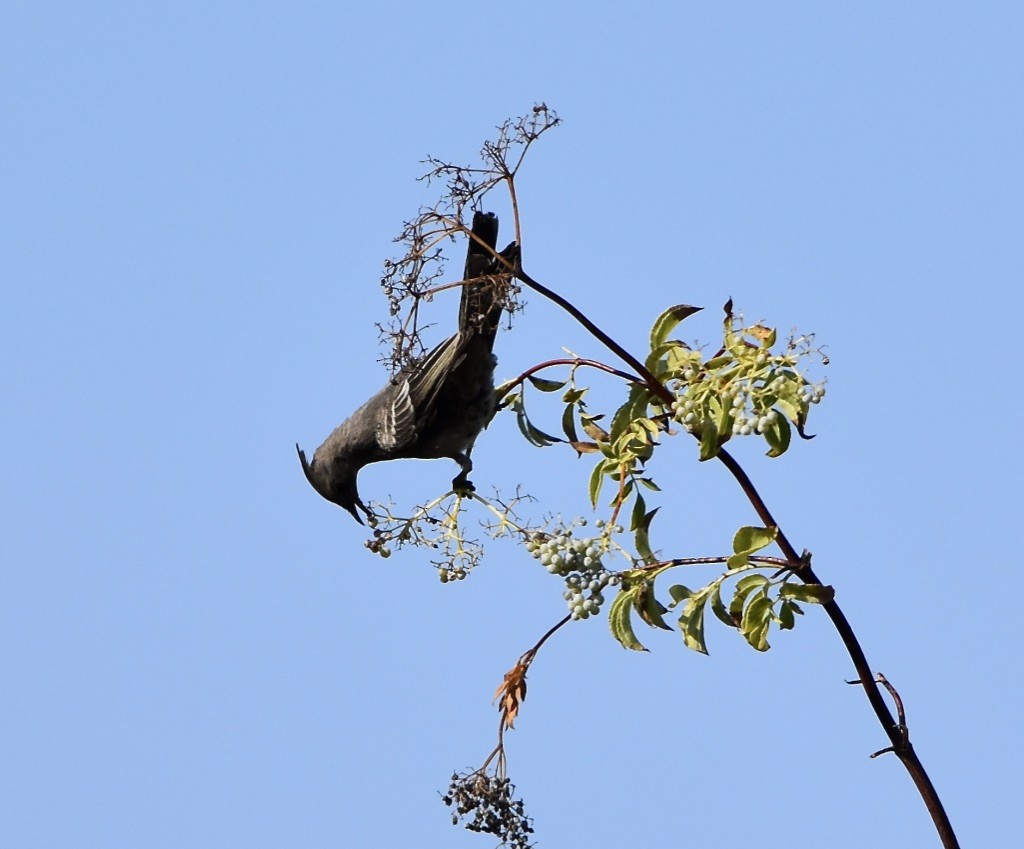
[483,301]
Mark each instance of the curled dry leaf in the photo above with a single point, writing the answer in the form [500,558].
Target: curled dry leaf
[512,693]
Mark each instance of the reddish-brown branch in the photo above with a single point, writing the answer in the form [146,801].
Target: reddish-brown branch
[781,563]
[577,361]
[895,731]
[655,385]
[528,656]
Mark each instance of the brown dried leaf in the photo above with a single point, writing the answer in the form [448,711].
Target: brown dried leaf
[512,693]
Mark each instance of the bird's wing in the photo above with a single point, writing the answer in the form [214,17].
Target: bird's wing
[413,402]
[430,375]
[397,426]
[409,402]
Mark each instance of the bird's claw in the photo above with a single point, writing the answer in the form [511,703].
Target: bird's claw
[462,484]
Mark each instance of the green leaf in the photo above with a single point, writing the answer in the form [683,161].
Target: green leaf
[545,385]
[790,411]
[708,440]
[650,426]
[751,538]
[750,582]
[650,609]
[777,434]
[668,321]
[574,396]
[656,359]
[748,540]
[785,616]
[723,421]
[569,423]
[757,616]
[679,593]
[643,544]
[744,587]
[634,407]
[719,362]
[504,393]
[737,561]
[691,622]
[596,480]
[594,430]
[649,484]
[679,356]
[533,435]
[810,593]
[641,537]
[718,607]
[619,620]
[636,518]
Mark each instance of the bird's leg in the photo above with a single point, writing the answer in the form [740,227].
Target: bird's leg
[461,482]
[370,517]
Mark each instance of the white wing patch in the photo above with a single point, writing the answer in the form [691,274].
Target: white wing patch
[399,423]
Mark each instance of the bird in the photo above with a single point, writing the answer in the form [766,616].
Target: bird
[436,407]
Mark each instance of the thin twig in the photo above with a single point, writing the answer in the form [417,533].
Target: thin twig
[528,656]
[576,361]
[781,563]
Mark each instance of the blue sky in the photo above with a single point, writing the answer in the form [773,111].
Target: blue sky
[197,651]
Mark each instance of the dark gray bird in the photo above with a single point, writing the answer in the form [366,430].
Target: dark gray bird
[435,408]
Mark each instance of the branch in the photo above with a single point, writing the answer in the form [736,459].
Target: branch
[896,732]
[757,559]
[575,362]
[655,385]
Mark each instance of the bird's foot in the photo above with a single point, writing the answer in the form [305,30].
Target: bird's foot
[462,484]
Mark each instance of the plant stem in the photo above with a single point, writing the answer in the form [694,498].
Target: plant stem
[896,733]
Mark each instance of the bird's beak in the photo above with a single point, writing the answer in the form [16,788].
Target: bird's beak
[351,508]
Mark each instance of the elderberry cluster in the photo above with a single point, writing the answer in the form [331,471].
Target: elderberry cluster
[812,393]
[578,561]
[750,421]
[488,799]
[446,574]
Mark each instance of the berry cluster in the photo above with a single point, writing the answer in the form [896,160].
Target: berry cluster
[746,403]
[747,388]
[451,573]
[812,393]
[748,421]
[578,561]
[489,800]
[378,545]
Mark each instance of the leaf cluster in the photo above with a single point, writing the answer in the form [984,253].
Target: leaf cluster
[758,601]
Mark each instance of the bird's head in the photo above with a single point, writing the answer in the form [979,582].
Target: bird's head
[337,484]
